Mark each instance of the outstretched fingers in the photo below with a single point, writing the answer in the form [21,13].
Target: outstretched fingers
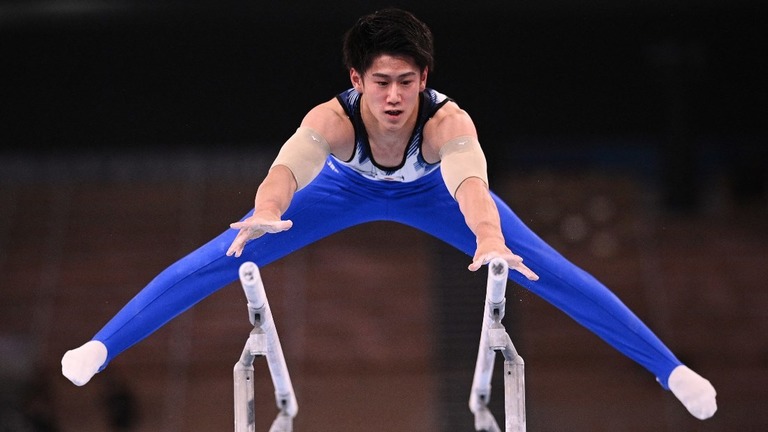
[238,244]
[515,262]
[253,228]
[522,268]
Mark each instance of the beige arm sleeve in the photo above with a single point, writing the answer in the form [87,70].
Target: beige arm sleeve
[304,154]
[460,159]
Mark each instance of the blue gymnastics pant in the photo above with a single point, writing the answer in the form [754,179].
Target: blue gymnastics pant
[340,198]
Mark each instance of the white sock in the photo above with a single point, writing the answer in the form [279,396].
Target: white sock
[695,392]
[81,364]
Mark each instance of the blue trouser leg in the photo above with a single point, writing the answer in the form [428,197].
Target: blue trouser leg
[561,283]
[337,200]
[318,210]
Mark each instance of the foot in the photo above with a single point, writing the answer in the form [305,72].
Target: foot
[81,364]
[695,392]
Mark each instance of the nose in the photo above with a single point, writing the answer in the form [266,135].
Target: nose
[393,94]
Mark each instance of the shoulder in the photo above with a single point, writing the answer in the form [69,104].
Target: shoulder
[449,122]
[331,121]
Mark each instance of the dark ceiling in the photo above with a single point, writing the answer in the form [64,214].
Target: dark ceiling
[94,74]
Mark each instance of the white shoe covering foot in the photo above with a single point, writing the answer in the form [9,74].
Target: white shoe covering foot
[694,391]
[81,364]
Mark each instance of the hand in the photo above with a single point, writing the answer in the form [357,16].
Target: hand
[254,227]
[515,262]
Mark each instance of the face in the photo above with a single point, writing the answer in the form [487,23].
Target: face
[390,89]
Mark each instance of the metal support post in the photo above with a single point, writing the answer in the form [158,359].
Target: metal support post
[494,338]
[262,342]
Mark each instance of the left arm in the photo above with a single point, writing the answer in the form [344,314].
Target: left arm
[482,217]
[453,140]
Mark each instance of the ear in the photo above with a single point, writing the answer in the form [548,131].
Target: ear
[357,80]
[423,79]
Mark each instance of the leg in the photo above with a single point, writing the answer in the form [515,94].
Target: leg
[571,290]
[318,210]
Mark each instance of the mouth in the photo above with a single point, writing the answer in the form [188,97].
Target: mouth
[393,113]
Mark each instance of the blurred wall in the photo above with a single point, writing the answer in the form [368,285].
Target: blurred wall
[683,79]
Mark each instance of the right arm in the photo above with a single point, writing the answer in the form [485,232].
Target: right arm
[324,130]
[272,199]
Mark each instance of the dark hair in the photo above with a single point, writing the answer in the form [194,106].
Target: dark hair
[388,31]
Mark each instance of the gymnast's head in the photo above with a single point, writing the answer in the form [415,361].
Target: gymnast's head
[390,31]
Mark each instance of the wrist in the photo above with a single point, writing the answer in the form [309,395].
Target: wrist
[267,213]
[488,232]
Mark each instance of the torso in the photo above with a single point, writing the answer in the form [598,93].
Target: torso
[375,162]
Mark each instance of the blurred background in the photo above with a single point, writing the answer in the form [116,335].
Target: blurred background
[630,135]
